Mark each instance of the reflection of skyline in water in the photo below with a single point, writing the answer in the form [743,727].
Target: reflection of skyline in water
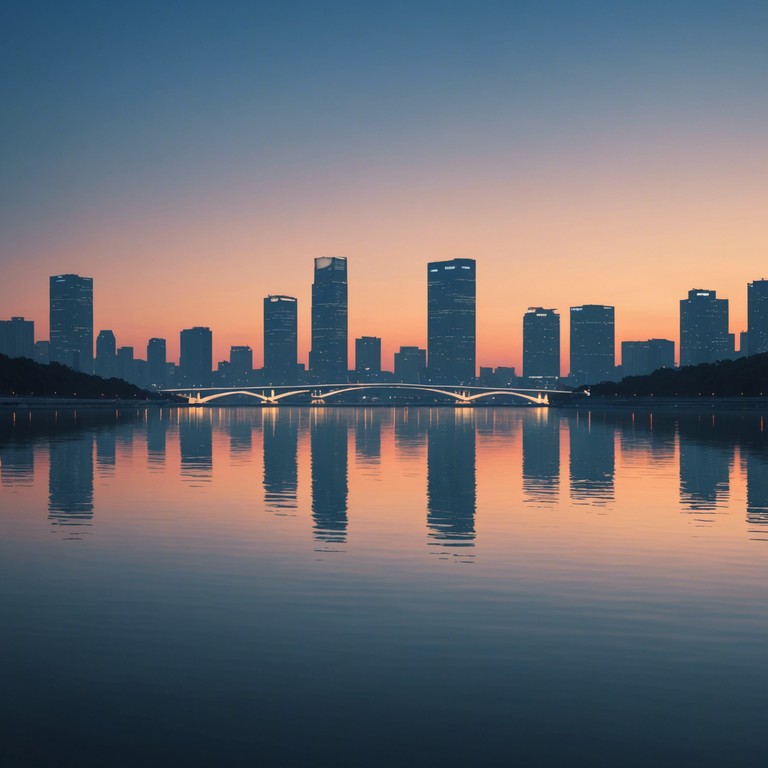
[541,457]
[328,444]
[451,492]
[281,467]
[592,452]
[700,451]
[70,481]
[196,445]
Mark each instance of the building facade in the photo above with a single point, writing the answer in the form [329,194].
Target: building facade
[541,345]
[411,365]
[704,336]
[639,358]
[280,339]
[757,318]
[196,358]
[367,357]
[593,344]
[328,357]
[106,354]
[451,321]
[157,357]
[17,337]
[71,321]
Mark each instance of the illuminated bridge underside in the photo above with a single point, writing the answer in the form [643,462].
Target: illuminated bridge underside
[320,394]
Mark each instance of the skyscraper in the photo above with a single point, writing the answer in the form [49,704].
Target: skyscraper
[280,339]
[541,344]
[593,342]
[196,359]
[240,365]
[704,334]
[410,365]
[106,354]
[367,356]
[757,317]
[451,334]
[17,337]
[124,364]
[328,356]
[156,360]
[71,307]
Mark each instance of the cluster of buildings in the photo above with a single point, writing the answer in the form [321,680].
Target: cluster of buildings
[450,356]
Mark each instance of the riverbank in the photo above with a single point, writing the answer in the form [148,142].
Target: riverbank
[668,403]
[15,403]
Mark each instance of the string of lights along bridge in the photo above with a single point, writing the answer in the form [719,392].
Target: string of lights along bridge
[448,363]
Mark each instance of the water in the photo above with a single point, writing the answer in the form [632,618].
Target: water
[377,587]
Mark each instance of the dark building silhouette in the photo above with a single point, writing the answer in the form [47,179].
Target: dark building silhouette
[451,487]
[196,359]
[281,475]
[17,337]
[704,336]
[541,457]
[451,333]
[124,364]
[411,365]
[592,451]
[280,339]
[106,354]
[757,318]
[639,358]
[328,356]
[367,357]
[70,481]
[541,345]
[43,352]
[328,444]
[156,363]
[240,365]
[71,308]
[593,342]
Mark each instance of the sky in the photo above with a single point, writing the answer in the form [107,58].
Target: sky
[193,157]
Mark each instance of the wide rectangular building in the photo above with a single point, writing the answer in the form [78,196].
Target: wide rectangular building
[704,336]
[639,358]
[451,321]
[593,343]
[17,337]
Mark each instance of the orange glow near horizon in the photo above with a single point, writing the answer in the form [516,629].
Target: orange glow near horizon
[599,227]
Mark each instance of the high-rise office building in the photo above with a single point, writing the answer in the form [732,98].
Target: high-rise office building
[368,356]
[328,356]
[106,354]
[124,364]
[451,326]
[411,365]
[240,365]
[17,337]
[196,358]
[593,343]
[280,339]
[639,358]
[156,363]
[704,336]
[71,306]
[541,344]
[757,318]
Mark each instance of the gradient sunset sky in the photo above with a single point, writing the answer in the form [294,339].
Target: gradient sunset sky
[193,157]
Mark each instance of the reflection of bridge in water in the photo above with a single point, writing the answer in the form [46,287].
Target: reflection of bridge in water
[320,394]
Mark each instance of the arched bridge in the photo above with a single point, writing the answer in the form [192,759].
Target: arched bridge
[319,394]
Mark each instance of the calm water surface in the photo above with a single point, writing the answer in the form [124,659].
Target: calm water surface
[381,587]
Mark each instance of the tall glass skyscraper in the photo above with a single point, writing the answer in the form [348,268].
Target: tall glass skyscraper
[280,339]
[541,344]
[703,328]
[757,317]
[196,359]
[157,370]
[328,356]
[593,343]
[451,325]
[71,306]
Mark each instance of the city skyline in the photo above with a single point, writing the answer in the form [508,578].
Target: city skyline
[623,168]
